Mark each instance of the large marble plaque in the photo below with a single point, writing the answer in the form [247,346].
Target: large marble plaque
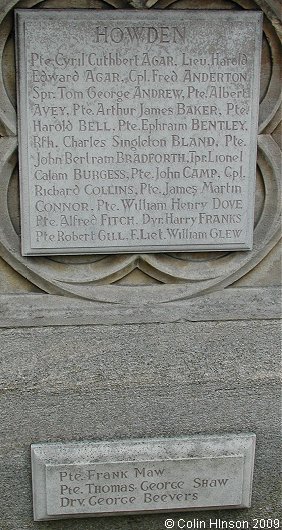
[109,478]
[137,130]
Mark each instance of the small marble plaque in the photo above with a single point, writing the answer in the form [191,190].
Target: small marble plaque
[110,478]
[137,130]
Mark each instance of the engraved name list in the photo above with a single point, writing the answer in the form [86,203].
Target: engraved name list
[137,132]
[129,476]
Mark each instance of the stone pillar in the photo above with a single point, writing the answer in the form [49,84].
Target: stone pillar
[114,347]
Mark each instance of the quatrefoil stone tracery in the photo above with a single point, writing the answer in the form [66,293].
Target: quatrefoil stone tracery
[81,275]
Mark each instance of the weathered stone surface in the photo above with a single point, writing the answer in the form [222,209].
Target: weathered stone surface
[138,381]
[148,143]
[42,310]
[118,377]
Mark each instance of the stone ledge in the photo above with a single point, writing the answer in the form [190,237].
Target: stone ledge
[36,310]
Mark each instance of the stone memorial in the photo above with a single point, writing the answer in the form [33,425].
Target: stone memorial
[141,476]
[140,266]
[137,131]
